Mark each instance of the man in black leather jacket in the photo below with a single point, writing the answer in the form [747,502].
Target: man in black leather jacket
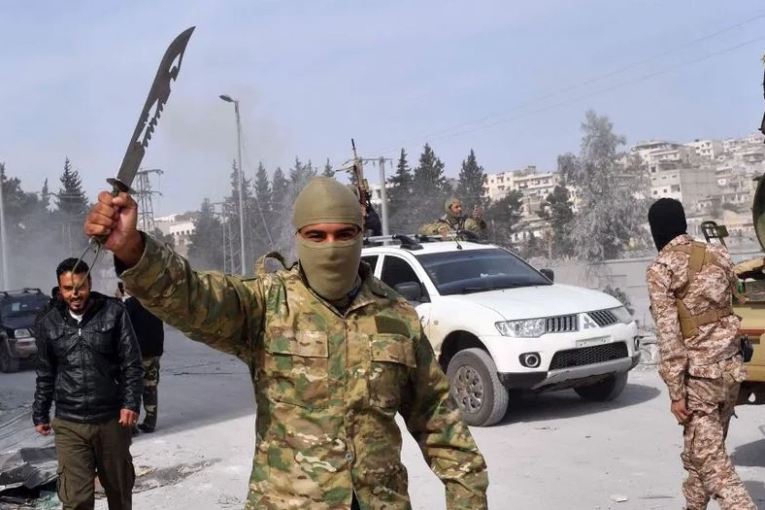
[89,363]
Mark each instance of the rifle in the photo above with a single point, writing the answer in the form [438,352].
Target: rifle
[371,219]
[712,230]
[357,173]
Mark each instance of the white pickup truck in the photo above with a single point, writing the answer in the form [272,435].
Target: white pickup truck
[497,324]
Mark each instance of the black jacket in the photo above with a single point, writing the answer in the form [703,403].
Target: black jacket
[92,369]
[148,328]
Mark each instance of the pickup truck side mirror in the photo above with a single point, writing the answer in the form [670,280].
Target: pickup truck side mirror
[549,274]
[410,290]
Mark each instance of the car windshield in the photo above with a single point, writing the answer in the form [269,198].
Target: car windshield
[21,308]
[466,271]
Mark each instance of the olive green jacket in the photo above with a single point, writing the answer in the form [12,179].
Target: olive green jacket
[455,224]
[327,385]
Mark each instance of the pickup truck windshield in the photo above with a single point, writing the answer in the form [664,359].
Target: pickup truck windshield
[467,271]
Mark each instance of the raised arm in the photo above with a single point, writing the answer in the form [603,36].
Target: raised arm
[221,311]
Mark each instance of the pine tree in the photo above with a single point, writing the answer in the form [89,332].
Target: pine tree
[262,214]
[471,182]
[16,202]
[231,210]
[557,210]
[263,190]
[299,175]
[429,174]
[328,172]
[532,246]
[400,197]
[503,216]
[279,188]
[400,190]
[71,199]
[72,208]
[429,187]
[32,235]
[282,197]
[45,195]
[206,242]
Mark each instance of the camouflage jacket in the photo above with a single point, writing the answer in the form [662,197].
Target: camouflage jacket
[476,227]
[327,386]
[699,355]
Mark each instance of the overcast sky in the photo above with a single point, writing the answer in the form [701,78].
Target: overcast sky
[510,79]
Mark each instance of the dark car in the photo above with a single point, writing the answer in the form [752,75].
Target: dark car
[18,311]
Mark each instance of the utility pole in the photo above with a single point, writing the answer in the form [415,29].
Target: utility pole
[227,244]
[384,196]
[3,237]
[144,194]
[240,177]
[380,162]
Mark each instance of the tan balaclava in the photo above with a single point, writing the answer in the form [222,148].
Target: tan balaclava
[448,206]
[331,268]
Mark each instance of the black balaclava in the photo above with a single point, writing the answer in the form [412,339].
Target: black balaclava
[667,220]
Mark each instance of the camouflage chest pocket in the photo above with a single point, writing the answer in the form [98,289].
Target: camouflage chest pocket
[296,368]
[392,356]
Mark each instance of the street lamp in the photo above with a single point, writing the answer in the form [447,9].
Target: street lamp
[240,175]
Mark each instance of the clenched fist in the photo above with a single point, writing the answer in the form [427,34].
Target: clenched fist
[113,220]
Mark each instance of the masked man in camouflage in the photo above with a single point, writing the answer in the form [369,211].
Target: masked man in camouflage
[691,287]
[334,355]
[454,221]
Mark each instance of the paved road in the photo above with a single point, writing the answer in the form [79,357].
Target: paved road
[550,452]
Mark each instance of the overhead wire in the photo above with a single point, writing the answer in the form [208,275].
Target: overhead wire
[604,90]
[446,132]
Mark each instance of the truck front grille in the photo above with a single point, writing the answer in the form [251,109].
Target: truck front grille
[603,318]
[588,355]
[561,324]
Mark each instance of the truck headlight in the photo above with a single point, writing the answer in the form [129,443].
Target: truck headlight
[622,314]
[527,328]
[21,333]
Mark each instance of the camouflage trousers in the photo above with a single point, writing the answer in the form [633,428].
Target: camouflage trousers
[150,384]
[710,470]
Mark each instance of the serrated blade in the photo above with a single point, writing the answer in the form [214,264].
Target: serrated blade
[167,72]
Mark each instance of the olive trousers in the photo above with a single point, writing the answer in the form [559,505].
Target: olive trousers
[85,450]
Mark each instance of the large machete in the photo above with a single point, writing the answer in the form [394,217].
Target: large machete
[168,70]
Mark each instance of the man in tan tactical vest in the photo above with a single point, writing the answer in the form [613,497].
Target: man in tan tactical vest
[334,354]
[691,286]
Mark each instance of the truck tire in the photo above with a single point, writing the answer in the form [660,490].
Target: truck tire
[8,363]
[475,387]
[605,390]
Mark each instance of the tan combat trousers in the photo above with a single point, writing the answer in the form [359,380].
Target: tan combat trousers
[710,470]
[87,449]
